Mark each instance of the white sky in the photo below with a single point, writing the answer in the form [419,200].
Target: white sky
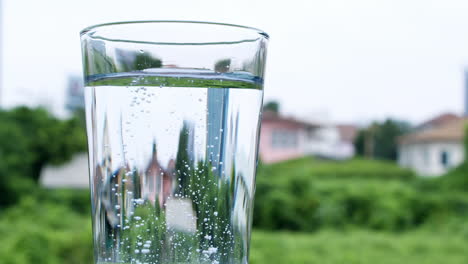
[350,60]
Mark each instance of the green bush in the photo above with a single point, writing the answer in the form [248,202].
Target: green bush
[358,247]
[44,233]
[308,194]
[355,168]
[77,200]
[29,140]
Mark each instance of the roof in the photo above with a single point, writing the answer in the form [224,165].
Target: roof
[439,120]
[347,132]
[449,131]
[273,117]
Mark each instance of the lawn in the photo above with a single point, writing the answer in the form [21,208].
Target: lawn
[358,247]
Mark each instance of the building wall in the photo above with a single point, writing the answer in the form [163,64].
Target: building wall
[426,158]
[326,142]
[74,174]
[466,92]
[270,154]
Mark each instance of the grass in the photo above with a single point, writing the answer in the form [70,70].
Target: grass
[358,247]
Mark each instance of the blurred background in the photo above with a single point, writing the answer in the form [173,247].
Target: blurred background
[363,141]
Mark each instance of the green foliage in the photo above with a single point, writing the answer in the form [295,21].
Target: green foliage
[222,65]
[12,187]
[345,210]
[455,180]
[77,200]
[361,211]
[355,168]
[146,61]
[30,139]
[271,106]
[44,233]
[308,195]
[358,247]
[48,139]
[466,144]
[379,140]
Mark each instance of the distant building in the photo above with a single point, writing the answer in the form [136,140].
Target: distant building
[348,134]
[158,180]
[73,174]
[435,147]
[216,123]
[466,93]
[438,121]
[284,138]
[75,94]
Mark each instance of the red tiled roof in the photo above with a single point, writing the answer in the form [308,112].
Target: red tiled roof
[439,120]
[450,131]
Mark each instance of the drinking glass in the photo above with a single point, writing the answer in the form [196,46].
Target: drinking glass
[173,114]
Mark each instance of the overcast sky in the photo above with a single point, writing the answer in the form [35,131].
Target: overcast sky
[348,60]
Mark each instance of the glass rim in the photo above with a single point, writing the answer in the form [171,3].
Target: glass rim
[135,22]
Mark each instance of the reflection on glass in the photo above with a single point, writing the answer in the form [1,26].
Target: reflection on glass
[172,148]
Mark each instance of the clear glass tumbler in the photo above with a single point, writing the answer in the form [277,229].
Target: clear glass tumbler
[173,113]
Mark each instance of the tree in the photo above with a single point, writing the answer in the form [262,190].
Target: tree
[379,140]
[222,65]
[271,106]
[15,161]
[146,61]
[38,138]
[30,139]
[183,163]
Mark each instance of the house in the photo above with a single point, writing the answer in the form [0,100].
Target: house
[435,147]
[284,138]
[73,174]
[438,121]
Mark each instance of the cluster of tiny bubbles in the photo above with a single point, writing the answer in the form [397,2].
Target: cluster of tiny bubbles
[142,96]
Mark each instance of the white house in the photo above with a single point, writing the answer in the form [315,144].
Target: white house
[433,149]
[284,138]
[74,174]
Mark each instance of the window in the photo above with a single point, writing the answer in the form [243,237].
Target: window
[445,159]
[282,139]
